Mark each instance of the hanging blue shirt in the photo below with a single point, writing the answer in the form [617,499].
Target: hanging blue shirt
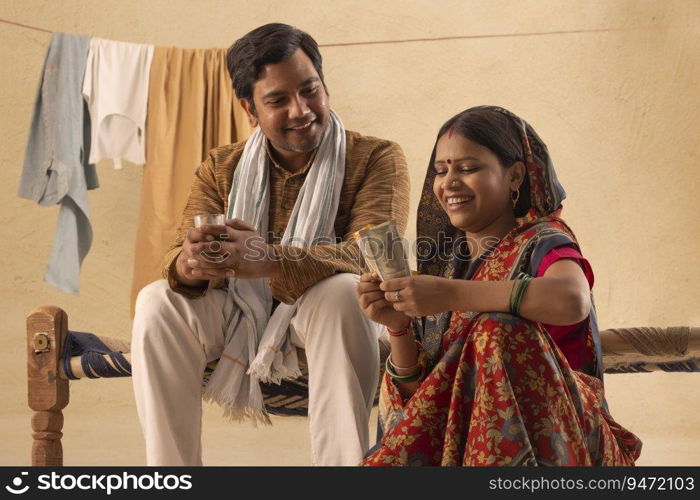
[56,168]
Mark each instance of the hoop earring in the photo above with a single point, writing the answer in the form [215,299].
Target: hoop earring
[514,199]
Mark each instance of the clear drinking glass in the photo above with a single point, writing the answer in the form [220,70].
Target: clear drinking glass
[209,220]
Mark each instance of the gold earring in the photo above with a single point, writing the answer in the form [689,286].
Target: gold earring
[514,199]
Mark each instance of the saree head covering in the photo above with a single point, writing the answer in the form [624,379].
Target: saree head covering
[436,235]
[442,249]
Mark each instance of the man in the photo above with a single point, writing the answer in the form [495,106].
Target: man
[280,275]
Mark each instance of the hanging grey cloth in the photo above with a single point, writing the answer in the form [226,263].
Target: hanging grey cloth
[56,168]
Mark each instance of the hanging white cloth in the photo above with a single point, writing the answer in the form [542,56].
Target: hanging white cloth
[116,90]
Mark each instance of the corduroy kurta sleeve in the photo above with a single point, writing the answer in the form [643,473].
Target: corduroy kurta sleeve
[205,198]
[382,195]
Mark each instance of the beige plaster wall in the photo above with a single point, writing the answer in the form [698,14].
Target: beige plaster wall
[620,111]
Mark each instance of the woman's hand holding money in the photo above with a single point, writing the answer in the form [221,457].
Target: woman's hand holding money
[376,307]
[420,295]
[404,351]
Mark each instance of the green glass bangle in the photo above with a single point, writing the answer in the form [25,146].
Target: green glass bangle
[511,302]
[394,367]
[517,284]
[408,378]
[519,296]
[523,283]
[402,379]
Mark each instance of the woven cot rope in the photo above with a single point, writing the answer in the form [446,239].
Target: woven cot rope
[89,356]
[100,357]
[642,367]
[672,341]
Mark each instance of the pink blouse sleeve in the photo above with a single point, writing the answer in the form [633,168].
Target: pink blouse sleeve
[566,252]
[570,339]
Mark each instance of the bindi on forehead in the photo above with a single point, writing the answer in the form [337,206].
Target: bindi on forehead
[448,136]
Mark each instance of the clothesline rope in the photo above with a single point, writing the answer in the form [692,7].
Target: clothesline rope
[495,35]
[445,38]
[25,26]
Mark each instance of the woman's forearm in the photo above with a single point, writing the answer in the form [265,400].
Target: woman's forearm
[549,300]
[404,352]
[404,356]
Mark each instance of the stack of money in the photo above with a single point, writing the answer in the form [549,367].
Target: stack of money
[384,250]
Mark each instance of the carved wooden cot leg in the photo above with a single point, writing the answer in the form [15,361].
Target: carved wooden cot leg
[47,327]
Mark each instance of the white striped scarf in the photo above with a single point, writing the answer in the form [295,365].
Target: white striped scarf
[258,346]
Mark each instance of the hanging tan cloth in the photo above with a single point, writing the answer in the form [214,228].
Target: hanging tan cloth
[191,109]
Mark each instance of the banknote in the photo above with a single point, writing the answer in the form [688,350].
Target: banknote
[384,250]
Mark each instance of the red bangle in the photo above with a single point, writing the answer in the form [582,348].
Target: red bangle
[399,333]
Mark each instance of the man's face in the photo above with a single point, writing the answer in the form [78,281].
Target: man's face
[291,105]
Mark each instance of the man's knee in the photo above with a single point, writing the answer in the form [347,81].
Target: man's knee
[150,305]
[338,287]
[151,295]
[335,295]
[333,303]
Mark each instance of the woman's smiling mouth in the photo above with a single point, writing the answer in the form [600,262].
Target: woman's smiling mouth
[457,202]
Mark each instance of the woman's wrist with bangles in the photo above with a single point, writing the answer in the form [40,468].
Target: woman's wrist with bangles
[403,370]
[411,371]
[517,292]
[397,374]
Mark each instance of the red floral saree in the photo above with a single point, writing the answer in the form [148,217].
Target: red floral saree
[499,390]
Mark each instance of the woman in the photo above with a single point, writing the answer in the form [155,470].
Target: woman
[508,368]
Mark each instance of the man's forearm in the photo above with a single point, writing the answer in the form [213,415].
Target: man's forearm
[301,268]
[274,269]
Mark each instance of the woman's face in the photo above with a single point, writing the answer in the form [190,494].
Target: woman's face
[471,185]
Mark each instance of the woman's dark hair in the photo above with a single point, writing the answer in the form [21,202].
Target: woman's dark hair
[499,133]
[268,44]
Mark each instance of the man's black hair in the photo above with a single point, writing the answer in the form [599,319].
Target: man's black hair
[268,44]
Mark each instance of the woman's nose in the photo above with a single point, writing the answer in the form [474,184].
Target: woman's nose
[450,180]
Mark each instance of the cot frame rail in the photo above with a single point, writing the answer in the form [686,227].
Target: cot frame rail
[48,389]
